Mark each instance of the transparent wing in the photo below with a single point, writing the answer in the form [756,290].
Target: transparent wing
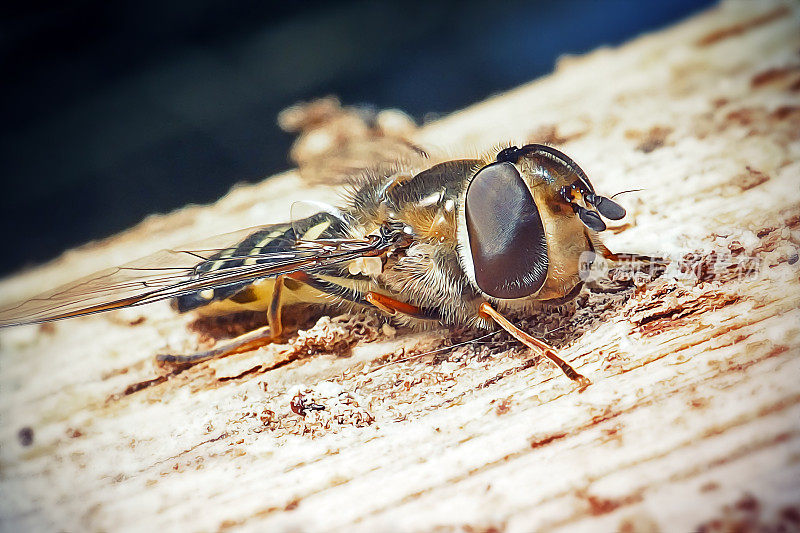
[362,157]
[171,273]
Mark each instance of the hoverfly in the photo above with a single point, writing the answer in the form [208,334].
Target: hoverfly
[462,242]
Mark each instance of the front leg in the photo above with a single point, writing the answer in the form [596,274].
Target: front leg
[489,312]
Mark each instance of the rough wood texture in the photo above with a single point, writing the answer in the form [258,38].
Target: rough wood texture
[693,418]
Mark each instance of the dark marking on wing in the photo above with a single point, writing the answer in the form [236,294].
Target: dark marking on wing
[270,240]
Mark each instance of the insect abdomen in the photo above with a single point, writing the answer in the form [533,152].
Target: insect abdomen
[269,240]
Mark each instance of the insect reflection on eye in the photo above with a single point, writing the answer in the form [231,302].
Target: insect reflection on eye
[463,242]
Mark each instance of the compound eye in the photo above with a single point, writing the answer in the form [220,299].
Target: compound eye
[506,236]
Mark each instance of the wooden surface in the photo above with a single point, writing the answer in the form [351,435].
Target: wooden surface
[693,418]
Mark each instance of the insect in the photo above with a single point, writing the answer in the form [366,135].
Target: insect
[463,242]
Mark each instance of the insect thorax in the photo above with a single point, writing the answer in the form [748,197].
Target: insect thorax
[428,274]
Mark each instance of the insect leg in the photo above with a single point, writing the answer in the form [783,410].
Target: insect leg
[642,263]
[601,249]
[487,311]
[275,307]
[391,306]
[249,341]
[650,262]
[385,303]
[661,261]
[243,343]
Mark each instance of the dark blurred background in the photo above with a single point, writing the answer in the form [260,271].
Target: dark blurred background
[111,111]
